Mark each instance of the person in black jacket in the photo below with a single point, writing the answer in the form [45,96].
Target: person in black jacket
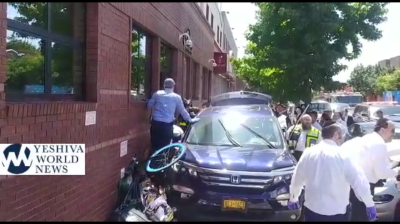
[348,118]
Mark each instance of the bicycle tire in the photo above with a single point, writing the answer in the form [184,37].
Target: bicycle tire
[182,148]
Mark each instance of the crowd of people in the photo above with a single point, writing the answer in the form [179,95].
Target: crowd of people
[333,173]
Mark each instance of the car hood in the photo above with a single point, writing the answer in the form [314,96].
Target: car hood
[253,159]
[395,117]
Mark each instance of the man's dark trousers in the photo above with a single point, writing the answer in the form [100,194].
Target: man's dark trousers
[161,135]
[358,208]
[311,216]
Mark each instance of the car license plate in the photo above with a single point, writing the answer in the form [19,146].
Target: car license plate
[234,204]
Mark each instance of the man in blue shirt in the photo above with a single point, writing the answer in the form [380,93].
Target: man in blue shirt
[164,104]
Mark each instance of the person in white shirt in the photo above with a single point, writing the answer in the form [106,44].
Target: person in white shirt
[337,117]
[326,176]
[314,117]
[371,154]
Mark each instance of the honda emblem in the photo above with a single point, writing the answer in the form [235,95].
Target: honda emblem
[235,179]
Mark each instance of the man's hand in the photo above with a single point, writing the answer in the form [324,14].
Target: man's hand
[371,213]
[293,205]
[194,120]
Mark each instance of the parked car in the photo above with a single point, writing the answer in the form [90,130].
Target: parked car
[367,112]
[387,194]
[320,106]
[339,107]
[236,167]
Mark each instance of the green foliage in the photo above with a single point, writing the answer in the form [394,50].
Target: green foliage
[389,81]
[363,79]
[296,47]
[30,68]
[334,86]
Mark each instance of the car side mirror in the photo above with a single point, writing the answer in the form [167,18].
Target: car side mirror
[364,114]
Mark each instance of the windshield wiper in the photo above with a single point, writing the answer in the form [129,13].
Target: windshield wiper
[259,136]
[229,136]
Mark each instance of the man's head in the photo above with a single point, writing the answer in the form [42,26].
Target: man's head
[379,113]
[306,122]
[169,83]
[336,116]
[333,132]
[314,116]
[385,129]
[328,113]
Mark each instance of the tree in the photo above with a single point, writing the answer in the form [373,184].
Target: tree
[363,79]
[296,47]
[334,86]
[389,81]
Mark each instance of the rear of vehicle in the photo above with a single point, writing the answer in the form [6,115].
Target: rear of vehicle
[351,99]
[236,167]
[320,107]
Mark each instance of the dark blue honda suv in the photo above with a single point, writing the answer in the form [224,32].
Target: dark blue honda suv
[237,166]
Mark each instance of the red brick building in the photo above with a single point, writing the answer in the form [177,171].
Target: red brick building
[61,60]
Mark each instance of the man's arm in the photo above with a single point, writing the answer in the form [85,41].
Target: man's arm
[152,101]
[181,110]
[381,164]
[358,181]
[298,178]
[288,131]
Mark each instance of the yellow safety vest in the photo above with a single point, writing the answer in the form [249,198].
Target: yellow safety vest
[183,124]
[311,138]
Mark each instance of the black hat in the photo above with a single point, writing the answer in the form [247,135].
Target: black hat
[381,123]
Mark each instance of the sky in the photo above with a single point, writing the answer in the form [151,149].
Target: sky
[241,15]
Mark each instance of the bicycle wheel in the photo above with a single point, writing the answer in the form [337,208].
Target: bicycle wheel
[165,157]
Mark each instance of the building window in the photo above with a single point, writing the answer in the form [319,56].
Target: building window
[220,37]
[45,46]
[140,65]
[212,21]
[218,34]
[196,85]
[165,62]
[207,12]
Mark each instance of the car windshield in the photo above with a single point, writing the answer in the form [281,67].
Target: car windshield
[349,99]
[320,107]
[244,130]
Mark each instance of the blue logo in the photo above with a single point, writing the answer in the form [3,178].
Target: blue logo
[17,159]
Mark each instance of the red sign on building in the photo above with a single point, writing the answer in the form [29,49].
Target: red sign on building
[221,60]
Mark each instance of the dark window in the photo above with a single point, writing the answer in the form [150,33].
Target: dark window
[218,34]
[220,37]
[212,21]
[207,12]
[165,61]
[140,67]
[45,43]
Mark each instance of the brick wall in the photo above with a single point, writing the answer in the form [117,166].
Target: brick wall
[92,197]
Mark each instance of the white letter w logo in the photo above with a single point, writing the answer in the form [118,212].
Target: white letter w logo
[16,158]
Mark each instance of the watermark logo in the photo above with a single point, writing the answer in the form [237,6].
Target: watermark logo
[42,159]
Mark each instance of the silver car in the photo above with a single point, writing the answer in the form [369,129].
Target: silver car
[387,198]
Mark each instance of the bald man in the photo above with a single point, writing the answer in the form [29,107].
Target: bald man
[303,136]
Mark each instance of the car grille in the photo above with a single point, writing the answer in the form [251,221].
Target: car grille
[242,181]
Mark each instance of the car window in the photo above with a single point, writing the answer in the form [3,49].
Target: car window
[357,109]
[389,110]
[320,107]
[208,131]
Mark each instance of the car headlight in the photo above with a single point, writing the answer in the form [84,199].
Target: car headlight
[177,167]
[280,178]
[192,172]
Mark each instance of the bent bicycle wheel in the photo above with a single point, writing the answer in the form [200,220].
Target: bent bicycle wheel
[165,157]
